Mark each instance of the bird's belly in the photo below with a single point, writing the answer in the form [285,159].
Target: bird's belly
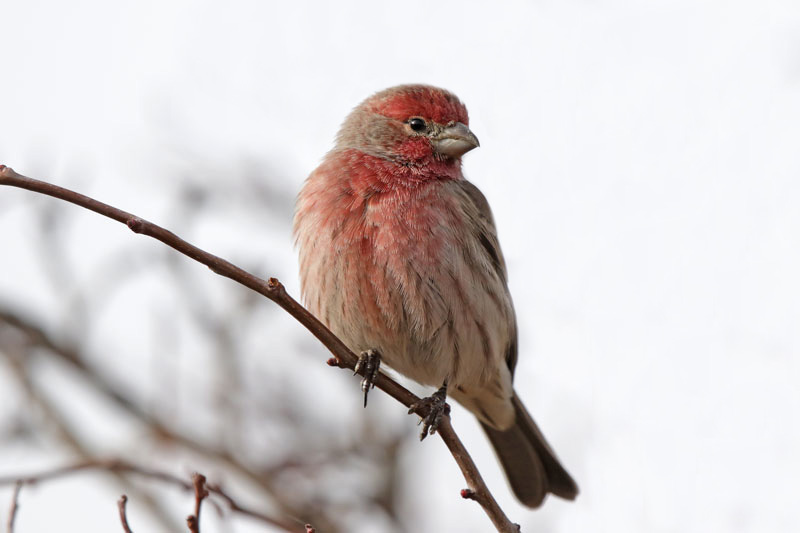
[407,278]
[416,302]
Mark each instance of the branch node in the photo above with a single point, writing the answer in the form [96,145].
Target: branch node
[274,284]
[469,494]
[199,482]
[135,224]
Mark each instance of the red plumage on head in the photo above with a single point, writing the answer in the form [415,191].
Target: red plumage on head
[405,101]
[379,129]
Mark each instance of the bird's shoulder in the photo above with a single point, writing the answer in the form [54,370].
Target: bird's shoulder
[481,221]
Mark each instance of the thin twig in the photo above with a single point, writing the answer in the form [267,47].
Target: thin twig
[12,513]
[200,493]
[275,291]
[117,465]
[123,517]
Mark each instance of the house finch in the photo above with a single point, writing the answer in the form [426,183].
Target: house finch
[399,257]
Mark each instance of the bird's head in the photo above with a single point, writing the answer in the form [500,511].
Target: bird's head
[409,124]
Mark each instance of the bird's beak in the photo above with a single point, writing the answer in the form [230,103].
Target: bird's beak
[455,140]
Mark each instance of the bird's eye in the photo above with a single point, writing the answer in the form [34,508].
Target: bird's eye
[417,124]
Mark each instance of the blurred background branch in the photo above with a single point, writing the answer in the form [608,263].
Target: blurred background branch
[198,485]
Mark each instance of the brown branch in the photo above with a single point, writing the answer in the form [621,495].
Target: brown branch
[119,466]
[275,291]
[12,513]
[123,517]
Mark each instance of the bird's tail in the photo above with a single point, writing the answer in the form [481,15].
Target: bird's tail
[530,465]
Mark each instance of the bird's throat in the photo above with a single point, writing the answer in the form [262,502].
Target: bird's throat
[374,174]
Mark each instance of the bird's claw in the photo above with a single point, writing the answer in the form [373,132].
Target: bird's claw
[436,408]
[370,361]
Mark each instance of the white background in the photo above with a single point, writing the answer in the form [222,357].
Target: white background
[641,159]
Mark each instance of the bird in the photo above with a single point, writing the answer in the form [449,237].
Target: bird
[399,257]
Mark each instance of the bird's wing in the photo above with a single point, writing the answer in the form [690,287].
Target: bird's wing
[485,231]
[484,227]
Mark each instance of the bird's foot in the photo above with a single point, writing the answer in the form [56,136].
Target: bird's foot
[434,407]
[370,362]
